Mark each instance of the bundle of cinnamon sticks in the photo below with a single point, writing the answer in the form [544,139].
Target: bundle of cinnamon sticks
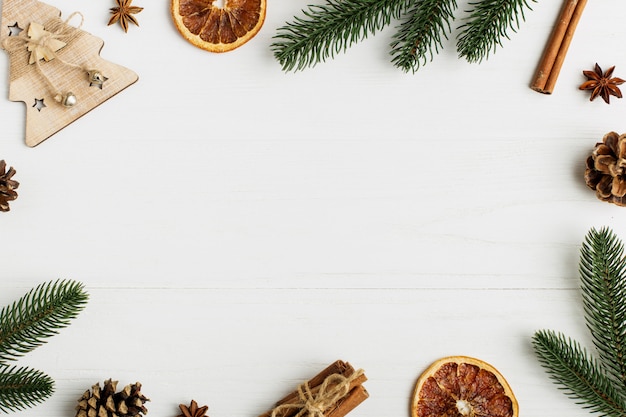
[558,44]
[334,392]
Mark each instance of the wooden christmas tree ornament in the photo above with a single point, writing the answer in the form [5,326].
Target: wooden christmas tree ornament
[55,67]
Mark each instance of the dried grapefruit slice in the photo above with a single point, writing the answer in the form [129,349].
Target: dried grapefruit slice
[459,386]
[218,28]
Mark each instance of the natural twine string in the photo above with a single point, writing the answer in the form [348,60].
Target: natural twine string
[55,29]
[334,388]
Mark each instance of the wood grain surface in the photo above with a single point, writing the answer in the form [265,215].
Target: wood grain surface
[239,228]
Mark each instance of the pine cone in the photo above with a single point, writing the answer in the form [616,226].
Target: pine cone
[606,169]
[105,402]
[7,186]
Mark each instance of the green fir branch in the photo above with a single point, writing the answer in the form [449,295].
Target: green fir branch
[597,384]
[603,276]
[25,324]
[579,375]
[23,387]
[420,35]
[329,29]
[325,30]
[487,24]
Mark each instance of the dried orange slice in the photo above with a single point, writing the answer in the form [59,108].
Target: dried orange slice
[459,386]
[218,28]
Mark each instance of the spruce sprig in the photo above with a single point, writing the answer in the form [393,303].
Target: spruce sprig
[26,324]
[421,34]
[580,376]
[597,384]
[328,29]
[489,21]
[331,28]
[41,313]
[603,275]
[22,387]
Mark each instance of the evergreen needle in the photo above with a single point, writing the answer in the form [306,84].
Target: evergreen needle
[580,376]
[325,30]
[603,275]
[39,314]
[331,28]
[22,387]
[25,325]
[597,384]
[420,35]
[488,22]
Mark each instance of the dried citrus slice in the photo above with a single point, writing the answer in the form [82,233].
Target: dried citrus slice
[218,28]
[459,386]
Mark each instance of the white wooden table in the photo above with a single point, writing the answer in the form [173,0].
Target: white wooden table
[239,228]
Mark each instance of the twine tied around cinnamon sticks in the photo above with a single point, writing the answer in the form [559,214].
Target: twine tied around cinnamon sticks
[334,388]
[334,392]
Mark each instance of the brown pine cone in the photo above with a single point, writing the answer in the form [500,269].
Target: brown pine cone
[606,169]
[7,186]
[105,402]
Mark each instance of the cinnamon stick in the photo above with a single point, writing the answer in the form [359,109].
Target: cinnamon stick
[355,396]
[345,369]
[337,367]
[558,44]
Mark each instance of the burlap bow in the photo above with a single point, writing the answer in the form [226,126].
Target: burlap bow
[42,41]
[42,44]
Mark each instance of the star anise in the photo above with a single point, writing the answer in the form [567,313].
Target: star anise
[124,13]
[193,410]
[602,84]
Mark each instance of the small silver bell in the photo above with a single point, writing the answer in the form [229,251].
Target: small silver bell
[96,78]
[69,99]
